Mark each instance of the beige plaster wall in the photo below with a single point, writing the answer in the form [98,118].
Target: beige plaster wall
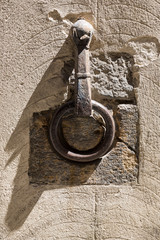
[32,35]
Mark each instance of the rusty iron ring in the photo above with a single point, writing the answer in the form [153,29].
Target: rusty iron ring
[81,156]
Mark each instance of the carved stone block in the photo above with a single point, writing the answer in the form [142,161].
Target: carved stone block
[127,117]
[119,166]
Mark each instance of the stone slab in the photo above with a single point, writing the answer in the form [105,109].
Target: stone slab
[46,166]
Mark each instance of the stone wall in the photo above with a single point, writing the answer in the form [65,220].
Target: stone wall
[118,196]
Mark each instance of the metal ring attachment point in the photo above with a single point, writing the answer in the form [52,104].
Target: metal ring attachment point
[65,150]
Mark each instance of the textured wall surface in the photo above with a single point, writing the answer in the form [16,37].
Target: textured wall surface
[37,61]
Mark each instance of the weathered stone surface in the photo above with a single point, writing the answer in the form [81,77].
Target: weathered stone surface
[82,133]
[119,166]
[112,76]
[121,213]
[127,119]
[122,20]
[143,49]
[35,58]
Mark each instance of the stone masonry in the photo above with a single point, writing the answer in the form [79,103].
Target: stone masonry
[45,197]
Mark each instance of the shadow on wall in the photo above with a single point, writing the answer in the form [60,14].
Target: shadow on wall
[49,92]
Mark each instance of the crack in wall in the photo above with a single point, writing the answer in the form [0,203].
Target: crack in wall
[95,215]
[129,147]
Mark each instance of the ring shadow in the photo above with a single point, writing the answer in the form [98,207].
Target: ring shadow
[50,91]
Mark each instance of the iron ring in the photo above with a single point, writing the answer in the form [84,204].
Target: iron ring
[82,156]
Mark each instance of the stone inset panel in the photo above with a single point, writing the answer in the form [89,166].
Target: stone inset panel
[119,166]
[112,83]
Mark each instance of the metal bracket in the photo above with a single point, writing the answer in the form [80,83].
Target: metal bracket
[82,32]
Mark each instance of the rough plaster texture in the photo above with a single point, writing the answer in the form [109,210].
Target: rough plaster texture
[34,50]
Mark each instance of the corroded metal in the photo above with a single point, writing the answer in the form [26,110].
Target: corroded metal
[82,105]
[82,34]
[65,150]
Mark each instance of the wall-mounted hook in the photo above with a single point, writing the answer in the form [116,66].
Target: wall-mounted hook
[82,32]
